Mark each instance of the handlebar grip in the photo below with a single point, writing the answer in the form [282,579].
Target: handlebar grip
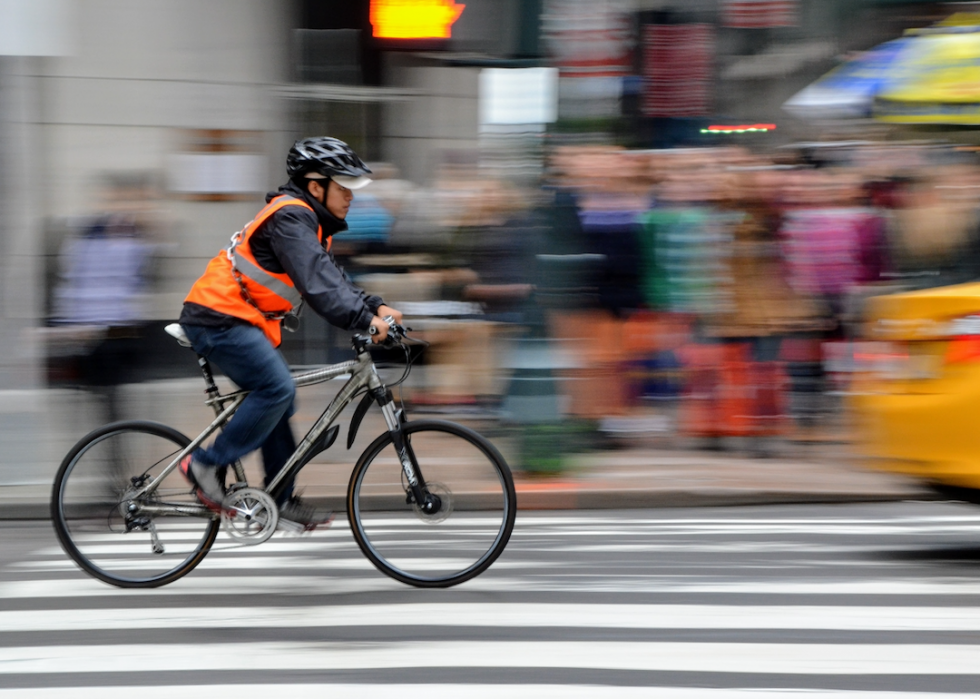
[396,333]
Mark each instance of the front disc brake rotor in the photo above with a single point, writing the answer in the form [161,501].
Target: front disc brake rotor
[445,506]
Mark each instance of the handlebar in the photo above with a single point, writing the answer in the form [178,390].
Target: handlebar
[396,335]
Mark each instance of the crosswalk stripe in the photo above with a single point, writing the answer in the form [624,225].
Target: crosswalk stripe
[598,519]
[222,563]
[223,547]
[358,563]
[575,527]
[619,616]
[274,547]
[571,529]
[722,547]
[761,658]
[194,537]
[197,584]
[470,691]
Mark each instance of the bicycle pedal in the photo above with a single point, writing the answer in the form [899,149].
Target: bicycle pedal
[291,527]
[287,525]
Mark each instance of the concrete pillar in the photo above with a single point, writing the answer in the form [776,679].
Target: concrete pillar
[20,224]
[21,411]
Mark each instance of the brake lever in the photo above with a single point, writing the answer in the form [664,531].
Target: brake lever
[396,328]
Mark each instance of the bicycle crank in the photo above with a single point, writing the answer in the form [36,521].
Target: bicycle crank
[249,516]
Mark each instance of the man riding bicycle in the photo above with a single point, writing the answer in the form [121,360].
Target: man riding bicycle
[234,313]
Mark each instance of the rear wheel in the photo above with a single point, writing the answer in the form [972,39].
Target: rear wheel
[123,540]
[428,545]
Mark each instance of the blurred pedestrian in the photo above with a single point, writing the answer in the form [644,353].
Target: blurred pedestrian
[104,280]
[934,227]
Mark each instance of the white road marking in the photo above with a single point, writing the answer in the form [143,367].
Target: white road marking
[739,528]
[722,547]
[470,691]
[273,563]
[199,585]
[590,518]
[618,616]
[761,658]
[227,551]
[216,563]
[597,582]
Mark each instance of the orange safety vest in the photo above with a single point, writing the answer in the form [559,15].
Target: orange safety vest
[235,284]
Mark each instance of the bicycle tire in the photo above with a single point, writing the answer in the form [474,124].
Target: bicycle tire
[87,514]
[479,503]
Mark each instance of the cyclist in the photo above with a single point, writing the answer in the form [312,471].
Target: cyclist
[234,312]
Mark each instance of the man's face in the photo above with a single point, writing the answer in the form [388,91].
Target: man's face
[338,200]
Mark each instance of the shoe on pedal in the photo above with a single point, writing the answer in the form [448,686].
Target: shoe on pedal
[303,513]
[209,489]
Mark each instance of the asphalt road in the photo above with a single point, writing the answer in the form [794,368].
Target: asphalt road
[718,602]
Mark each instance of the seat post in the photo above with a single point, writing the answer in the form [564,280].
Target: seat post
[210,387]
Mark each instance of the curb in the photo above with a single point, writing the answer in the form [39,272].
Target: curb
[572,499]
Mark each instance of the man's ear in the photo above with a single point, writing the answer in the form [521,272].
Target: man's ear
[315,189]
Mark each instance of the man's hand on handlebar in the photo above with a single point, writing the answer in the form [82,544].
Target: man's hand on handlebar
[384,328]
[379,330]
[383,332]
[389,311]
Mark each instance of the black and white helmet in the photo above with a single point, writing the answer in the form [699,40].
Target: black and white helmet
[327,158]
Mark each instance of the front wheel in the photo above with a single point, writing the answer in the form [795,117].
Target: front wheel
[114,536]
[426,544]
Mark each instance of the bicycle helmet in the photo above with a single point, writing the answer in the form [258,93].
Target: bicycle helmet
[327,158]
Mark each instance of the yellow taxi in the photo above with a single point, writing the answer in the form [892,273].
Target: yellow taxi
[918,403]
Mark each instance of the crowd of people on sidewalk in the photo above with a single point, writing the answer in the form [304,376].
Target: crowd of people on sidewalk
[764,261]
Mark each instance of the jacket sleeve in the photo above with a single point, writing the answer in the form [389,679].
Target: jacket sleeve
[315,273]
[372,302]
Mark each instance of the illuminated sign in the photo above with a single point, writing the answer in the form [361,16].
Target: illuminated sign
[414,19]
[518,95]
[740,128]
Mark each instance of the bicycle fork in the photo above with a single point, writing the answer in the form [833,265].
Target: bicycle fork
[429,503]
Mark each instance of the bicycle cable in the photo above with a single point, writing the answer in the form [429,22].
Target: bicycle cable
[409,360]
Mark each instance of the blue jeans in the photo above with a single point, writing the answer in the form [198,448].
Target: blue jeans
[247,357]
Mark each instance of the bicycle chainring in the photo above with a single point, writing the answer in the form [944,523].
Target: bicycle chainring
[249,516]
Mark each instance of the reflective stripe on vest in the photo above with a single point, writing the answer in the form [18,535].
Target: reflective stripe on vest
[260,276]
[248,267]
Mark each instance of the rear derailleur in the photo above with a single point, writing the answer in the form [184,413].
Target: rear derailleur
[136,522]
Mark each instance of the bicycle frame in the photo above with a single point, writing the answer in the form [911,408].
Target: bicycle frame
[363,374]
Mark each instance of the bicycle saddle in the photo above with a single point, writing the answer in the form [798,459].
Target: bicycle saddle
[176,331]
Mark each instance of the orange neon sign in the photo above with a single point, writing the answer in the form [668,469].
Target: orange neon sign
[414,19]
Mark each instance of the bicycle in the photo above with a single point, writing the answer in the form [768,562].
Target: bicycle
[436,528]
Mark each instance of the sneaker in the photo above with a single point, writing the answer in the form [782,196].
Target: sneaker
[310,516]
[209,489]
